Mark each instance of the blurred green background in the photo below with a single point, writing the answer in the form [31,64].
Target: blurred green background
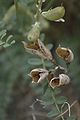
[16,91]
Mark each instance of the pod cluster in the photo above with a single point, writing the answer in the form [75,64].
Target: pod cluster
[56,78]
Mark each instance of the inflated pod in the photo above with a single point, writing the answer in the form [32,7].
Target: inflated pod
[59,70]
[65,53]
[38,75]
[55,14]
[39,49]
[50,76]
[34,33]
[63,79]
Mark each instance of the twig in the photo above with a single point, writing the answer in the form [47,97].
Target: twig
[57,106]
[33,109]
[67,109]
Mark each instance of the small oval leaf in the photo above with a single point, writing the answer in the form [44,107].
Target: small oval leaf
[48,64]
[53,113]
[49,46]
[35,61]
[61,100]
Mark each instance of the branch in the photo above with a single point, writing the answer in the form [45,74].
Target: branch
[67,109]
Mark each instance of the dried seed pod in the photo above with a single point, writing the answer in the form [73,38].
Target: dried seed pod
[56,72]
[65,53]
[39,49]
[63,79]
[54,82]
[59,70]
[50,76]
[55,14]
[34,32]
[38,75]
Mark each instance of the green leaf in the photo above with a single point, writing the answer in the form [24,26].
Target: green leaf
[56,91]
[47,102]
[34,61]
[9,37]
[1,43]
[61,100]
[48,63]
[42,37]
[3,36]
[2,32]
[49,46]
[6,45]
[45,87]
[12,42]
[48,92]
[53,113]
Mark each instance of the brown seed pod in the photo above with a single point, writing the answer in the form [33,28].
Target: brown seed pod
[56,72]
[38,75]
[50,76]
[59,70]
[65,53]
[39,49]
[63,79]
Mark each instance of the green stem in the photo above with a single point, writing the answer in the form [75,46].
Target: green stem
[43,63]
[53,95]
[57,106]
[37,19]
[16,6]
[39,5]
[49,4]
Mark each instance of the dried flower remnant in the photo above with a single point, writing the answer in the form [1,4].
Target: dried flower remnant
[63,79]
[38,75]
[55,14]
[65,53]
[39,49]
